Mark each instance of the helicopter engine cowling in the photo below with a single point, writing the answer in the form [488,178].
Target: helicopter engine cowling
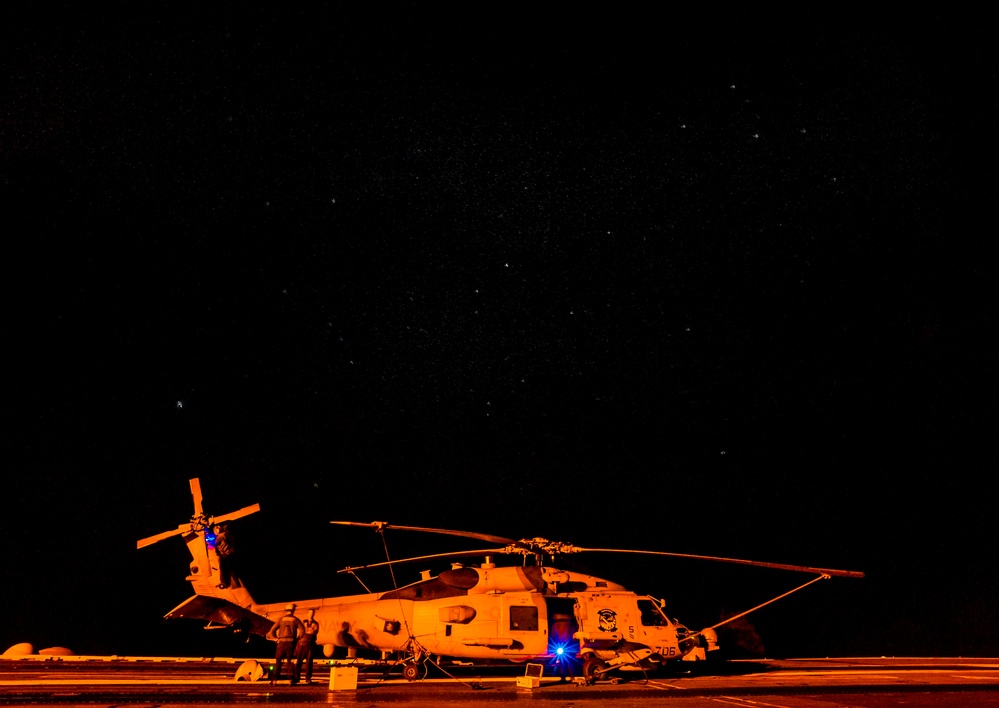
[510,579]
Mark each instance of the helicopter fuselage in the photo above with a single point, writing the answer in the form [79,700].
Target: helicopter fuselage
[488,612]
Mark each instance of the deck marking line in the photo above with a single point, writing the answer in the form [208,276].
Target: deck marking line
[662,685]
[760,703]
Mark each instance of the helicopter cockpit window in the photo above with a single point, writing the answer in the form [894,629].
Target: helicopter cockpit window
[524,618]
[651,616]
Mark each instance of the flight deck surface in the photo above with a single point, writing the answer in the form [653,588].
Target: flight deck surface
[800,683]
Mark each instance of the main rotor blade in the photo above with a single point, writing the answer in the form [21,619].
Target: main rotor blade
[150,540]
[238,514]
[458,554]
[379,525]
[757,564]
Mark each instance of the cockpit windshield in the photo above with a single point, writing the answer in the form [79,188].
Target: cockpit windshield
[652,614]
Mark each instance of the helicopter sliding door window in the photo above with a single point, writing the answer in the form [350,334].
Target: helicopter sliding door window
[523,618]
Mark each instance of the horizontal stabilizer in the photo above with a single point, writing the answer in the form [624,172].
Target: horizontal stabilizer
[219,611]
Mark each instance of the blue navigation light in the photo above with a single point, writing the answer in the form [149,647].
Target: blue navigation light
[560,651]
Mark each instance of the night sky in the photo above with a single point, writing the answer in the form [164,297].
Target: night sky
[716,282]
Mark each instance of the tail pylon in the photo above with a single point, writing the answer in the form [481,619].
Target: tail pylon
[213,601]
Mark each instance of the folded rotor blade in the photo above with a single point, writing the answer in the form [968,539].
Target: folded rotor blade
[379,525]
[459,554]
[757,564]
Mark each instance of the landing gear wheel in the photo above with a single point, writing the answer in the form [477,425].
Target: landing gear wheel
[593,669]
[412,672]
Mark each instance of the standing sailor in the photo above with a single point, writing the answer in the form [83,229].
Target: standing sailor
[306,646]
[285,632]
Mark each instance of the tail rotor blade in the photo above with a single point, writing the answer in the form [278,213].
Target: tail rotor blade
[198,522]
[196,493]
[150,540]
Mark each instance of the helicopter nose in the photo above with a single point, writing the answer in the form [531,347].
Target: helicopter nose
[684,639]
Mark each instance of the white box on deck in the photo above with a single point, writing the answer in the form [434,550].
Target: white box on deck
[343,678]
[531,677]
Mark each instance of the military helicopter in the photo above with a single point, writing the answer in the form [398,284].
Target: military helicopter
[528,612]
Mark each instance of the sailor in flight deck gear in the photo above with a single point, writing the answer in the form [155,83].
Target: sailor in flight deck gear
[306,646]
[224,550]
[285,632]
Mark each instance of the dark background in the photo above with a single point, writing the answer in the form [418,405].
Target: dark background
[715,282]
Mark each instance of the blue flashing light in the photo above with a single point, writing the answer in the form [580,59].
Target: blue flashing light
[563,658]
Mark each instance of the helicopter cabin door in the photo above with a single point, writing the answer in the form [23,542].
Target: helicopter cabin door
[562,625]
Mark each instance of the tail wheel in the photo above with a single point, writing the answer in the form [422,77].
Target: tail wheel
[593,668]
[412,672]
